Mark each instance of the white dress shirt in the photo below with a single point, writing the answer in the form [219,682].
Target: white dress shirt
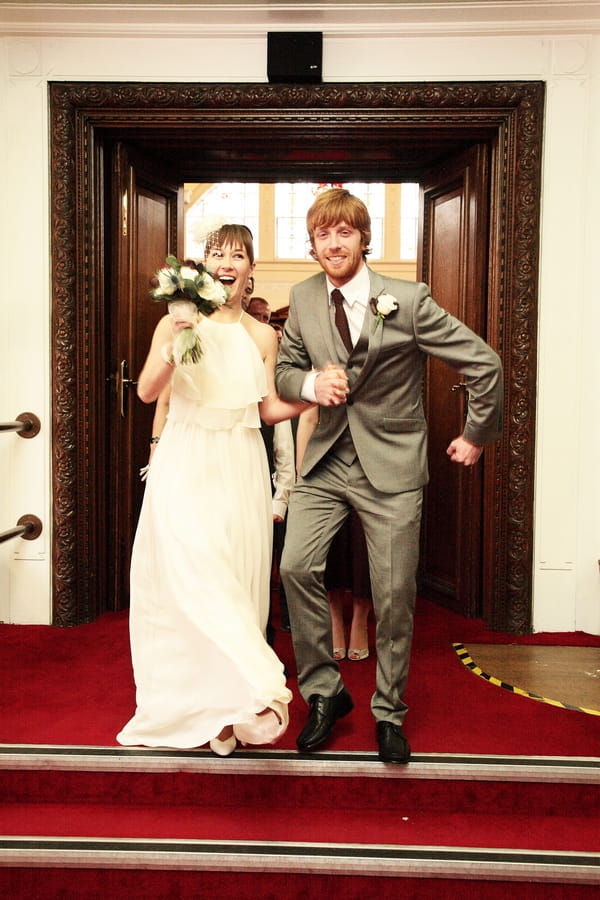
[285,466]
[356,300]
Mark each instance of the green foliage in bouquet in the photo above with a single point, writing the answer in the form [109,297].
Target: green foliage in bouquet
[188,281]
[192,282]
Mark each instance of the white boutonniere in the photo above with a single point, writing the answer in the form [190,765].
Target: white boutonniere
[382,306]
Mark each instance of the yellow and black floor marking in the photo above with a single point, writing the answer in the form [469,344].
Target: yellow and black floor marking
[465,658]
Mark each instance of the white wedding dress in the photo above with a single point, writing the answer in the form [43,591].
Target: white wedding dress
[201,562]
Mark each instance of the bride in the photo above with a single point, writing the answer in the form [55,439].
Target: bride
[201,561]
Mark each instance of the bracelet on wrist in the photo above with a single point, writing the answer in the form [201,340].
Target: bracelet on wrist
[154,440]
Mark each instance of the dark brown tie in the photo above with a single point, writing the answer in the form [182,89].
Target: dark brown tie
[341,320]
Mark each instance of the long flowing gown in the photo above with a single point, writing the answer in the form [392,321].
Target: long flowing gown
[201,561]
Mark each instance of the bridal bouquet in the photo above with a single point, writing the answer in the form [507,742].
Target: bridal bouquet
[177,283]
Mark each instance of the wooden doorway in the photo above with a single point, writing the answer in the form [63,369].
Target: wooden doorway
[146,216]
[453,253]
[283,132]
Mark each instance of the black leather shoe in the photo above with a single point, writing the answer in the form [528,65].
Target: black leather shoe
[324,713]
[393,746]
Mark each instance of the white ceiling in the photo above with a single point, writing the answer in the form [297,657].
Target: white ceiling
[409,17]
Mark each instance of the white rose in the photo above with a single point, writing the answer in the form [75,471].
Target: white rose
[211,289]
[188,274]
[168,281]
[386,304]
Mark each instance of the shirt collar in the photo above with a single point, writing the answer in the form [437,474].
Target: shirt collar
[356,290]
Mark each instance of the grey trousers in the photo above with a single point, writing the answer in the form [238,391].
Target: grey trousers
[319,505]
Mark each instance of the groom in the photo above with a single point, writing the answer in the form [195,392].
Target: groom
[357,342]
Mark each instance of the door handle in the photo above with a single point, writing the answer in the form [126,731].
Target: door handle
[121,383]
[458,388]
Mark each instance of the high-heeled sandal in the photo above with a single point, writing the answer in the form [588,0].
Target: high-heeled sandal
[223,748]
[339,653]
[357,655]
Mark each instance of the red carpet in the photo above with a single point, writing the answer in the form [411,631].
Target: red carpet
[74,686]
[99,885]
[267,807]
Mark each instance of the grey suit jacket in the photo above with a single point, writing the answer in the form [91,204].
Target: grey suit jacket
[385,371]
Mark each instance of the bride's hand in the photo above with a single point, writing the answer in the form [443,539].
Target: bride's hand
[184,314]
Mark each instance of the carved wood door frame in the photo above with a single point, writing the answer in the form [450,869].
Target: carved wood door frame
[146,224]
[453,261]
[288,132]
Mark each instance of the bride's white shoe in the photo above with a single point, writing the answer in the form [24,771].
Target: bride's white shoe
[223,748]
[265,727]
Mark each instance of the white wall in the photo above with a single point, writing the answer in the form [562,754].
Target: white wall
[459,41]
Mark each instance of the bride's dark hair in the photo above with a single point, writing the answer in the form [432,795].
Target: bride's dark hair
[228,235]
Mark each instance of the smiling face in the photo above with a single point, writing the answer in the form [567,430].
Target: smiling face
[339,249]
[339,228]
[229,257]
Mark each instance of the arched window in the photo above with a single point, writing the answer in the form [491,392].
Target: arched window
[237,202]
[409,220]
[292,202]
[276,215]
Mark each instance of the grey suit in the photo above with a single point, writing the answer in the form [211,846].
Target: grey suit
[371,453]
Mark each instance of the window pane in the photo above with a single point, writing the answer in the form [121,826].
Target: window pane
[409,220]
[291,205]
[235,202]
[292,202]
[373,196]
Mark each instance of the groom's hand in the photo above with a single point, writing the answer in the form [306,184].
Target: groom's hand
[331,386]
[464,452]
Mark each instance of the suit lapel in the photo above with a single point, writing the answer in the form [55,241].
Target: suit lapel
[374,338]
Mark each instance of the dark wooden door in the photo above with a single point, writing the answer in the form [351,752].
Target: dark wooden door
[453,260]
[147,212]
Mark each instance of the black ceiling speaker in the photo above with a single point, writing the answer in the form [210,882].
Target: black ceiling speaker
[294,57]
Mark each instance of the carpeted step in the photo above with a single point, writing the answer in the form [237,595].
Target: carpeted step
[271,811]
[171,884]
[267,807]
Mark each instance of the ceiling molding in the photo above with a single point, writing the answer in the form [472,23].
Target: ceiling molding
[351,18]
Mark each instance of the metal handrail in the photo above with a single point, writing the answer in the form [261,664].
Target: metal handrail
[28,527]
[27,425]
